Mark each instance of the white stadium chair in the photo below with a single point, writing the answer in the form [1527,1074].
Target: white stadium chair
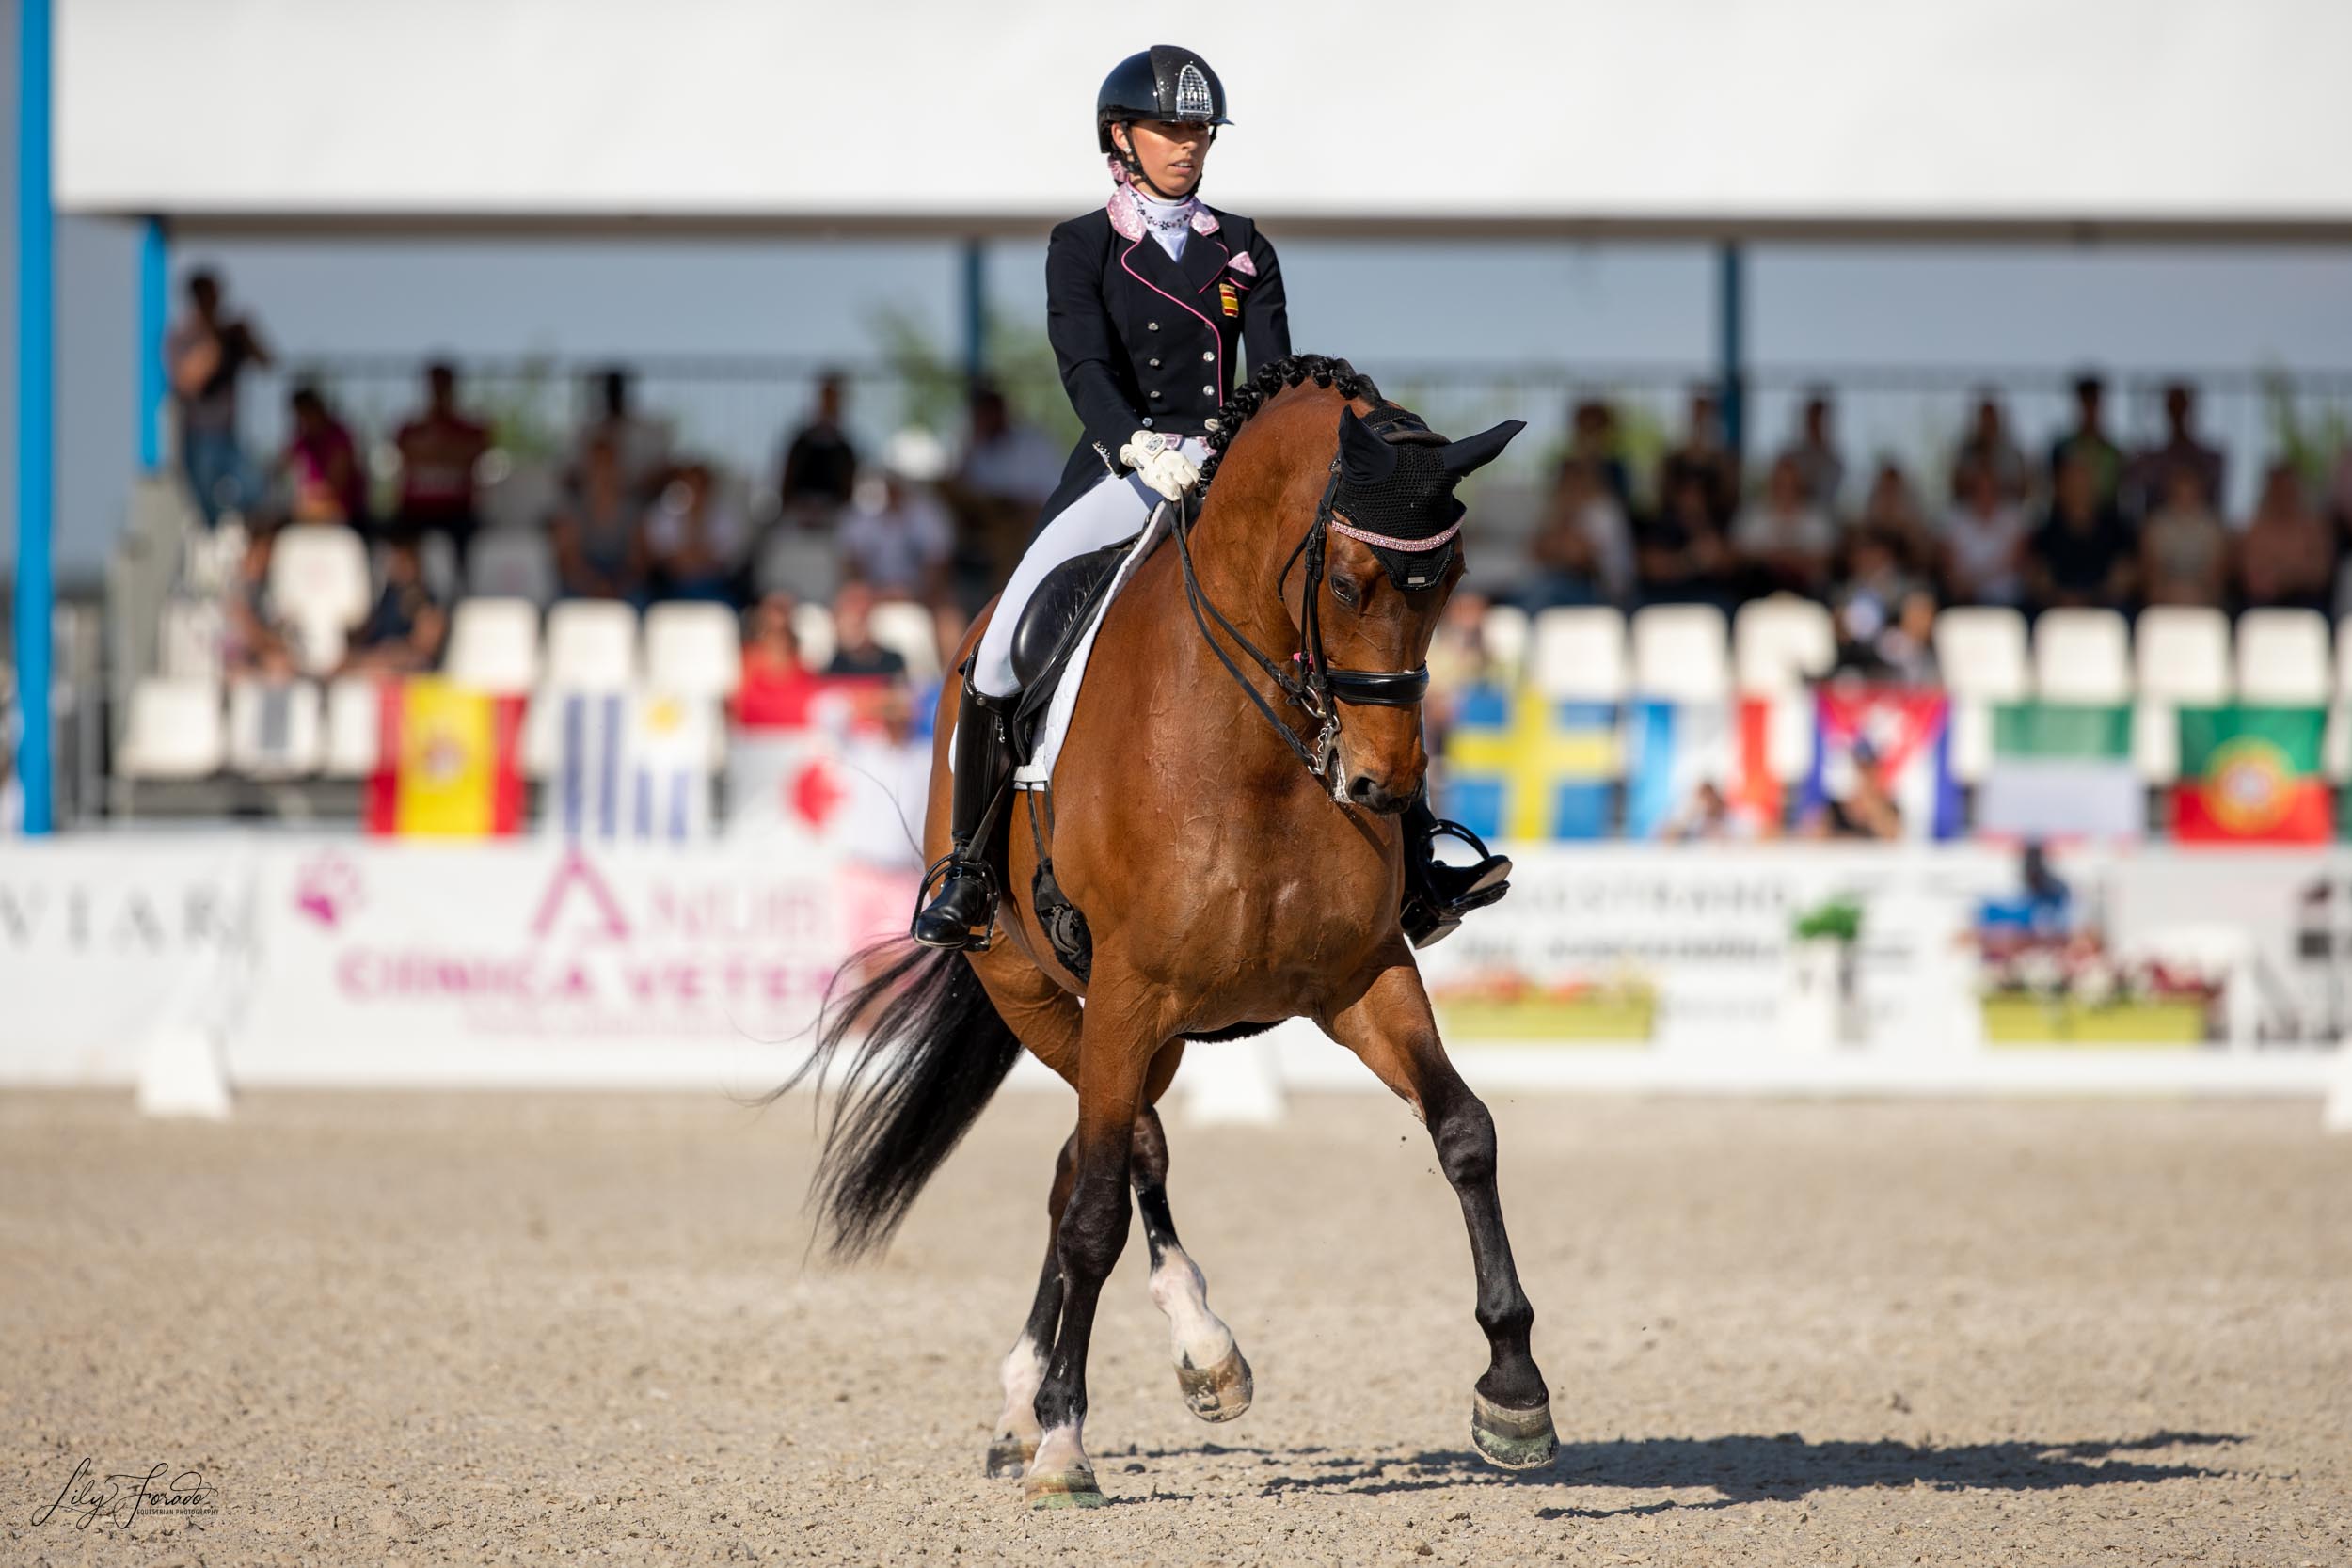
[2183,657]
[912,631]
[1681,653]
[2082,655]
[353,727]
[274,729]
[693,650]
[1981,651]
[1780,644]
[1504,632]
[175,730]
[318,579]
[494,645]
[591,647]
[512,563]
[2283,657]
[1577,654]
[812,633]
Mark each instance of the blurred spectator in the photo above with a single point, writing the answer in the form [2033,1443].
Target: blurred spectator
[1819,469]
[2082,554]
[798,555]
[1983,544]
[1784,538]
[897,539]
[640,446]
[693,540]
[777,686]
[2183,549]
[1987,446]
[598,529]
[324,482]
[1868,603]
[204,355]
[2151,469]
[1704,456]
[254,637]
[1595,439]
[403,631]
[854,650]
[1868,810]
[1708,817]
[1007,472]
[819,464]
[438,451]
[1680,556]
[1906,649]
[2089,442]
[1583,553]
[2286,556]
[1892,511]
[1459,659]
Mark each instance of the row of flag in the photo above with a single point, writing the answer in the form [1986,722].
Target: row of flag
[628,768]
[1520,766]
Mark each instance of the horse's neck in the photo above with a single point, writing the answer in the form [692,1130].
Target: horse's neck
[1237,560]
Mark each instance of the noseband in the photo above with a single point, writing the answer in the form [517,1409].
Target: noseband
[1319,687]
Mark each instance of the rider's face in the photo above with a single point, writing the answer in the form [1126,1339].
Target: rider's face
[1171,152]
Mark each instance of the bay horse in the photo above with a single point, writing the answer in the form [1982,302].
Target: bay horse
[1233,868]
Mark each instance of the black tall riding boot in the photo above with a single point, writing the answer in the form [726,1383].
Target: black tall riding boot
[1438,896]
[962,913]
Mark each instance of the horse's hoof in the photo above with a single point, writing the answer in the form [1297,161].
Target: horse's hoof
[1220,1393]
[1068,1489]
[1009,1456]
[1513,1439]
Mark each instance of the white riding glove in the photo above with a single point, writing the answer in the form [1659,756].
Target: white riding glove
[1158,463]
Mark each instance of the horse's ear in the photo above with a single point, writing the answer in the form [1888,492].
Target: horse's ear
[1364,458]
[1476,452]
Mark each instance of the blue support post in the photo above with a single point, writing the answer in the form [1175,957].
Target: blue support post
[36,290]
[154,306]
[975,308]
[1731,309]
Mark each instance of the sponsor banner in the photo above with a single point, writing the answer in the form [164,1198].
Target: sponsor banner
[1701,936]
[497,963]
[100,939]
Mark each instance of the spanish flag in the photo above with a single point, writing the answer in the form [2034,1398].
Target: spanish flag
[446,767]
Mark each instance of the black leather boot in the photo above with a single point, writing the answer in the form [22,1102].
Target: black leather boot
[962,914]
[1438,896]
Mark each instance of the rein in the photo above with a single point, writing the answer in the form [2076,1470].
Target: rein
[1323,685]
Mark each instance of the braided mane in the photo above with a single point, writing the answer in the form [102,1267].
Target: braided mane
[1264,384]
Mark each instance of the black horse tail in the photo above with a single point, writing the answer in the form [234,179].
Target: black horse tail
[934,1052]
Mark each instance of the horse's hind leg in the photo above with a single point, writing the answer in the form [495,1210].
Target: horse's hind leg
[1017,1432]
[1210,1370]
[1389,1026]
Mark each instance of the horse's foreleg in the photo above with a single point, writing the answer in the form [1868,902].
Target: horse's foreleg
[1093,1231]
[1391,1027]
[1210,1369]
[1017,1432]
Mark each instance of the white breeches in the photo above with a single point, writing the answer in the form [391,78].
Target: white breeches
[1115,509]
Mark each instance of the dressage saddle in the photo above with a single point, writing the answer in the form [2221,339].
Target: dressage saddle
[1047,633]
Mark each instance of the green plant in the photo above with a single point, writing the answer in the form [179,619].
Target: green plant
[1839,919]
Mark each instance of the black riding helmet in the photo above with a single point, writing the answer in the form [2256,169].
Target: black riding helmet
[1163,82]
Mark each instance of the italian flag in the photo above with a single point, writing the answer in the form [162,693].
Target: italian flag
[2061,770]
[2251,775]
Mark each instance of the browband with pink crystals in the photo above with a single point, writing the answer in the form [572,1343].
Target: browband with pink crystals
[1388,542]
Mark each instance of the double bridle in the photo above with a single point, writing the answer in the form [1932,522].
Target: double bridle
[1322,687]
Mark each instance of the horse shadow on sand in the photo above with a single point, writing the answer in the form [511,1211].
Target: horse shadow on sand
[1743,1468]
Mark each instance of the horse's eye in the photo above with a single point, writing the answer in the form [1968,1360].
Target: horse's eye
[1345,592]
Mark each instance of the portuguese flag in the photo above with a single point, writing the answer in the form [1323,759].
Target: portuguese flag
[2251,775]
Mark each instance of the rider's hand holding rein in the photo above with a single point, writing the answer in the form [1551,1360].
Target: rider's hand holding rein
[1158,463]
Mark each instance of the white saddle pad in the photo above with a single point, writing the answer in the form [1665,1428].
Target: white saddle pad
[1039,771]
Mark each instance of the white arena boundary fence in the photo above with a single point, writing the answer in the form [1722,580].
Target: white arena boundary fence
[180,962]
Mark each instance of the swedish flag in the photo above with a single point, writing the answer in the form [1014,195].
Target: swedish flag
[1520,766]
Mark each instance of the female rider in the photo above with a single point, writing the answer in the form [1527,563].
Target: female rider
[1151,300]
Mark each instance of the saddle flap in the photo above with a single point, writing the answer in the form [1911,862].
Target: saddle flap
[1054,620]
